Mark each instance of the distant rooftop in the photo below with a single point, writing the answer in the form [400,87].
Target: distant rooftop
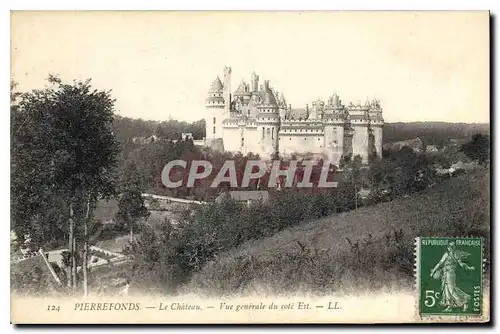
[245,195]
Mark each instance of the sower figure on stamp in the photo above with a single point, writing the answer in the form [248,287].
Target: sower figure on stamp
[452,295]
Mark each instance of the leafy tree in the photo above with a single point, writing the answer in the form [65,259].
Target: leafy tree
[63,159]
[131,205]
[478,148]
[352,174]
[14,94]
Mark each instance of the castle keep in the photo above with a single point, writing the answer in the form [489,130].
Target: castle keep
[256,118]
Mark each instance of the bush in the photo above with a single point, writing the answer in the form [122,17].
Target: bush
[202,248]
[167,258]
[367,264]
[459,207]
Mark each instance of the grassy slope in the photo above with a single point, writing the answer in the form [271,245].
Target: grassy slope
[457,207]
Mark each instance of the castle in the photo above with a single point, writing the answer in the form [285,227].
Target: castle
[257,119]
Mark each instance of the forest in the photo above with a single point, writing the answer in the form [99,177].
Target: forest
[431,133]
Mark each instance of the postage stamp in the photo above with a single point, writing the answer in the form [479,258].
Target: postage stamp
[450,276]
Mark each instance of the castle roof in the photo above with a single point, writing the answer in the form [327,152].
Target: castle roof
[368,103]
[267,97]
[216,86]
[297,113]
[282,99]
[243,89]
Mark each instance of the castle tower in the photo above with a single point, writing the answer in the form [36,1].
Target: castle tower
[334,118]
[360,123]
[215,106]
[376,125]
[268,121]
[227,91]
[317,110]
[282,106]
[243,95]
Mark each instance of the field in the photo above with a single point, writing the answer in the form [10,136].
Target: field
[370,248]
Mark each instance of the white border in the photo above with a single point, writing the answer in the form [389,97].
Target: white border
[190,5]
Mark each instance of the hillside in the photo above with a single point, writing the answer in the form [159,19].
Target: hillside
[370,248]
[432,133]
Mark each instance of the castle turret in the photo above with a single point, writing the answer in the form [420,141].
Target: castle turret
[360,122]
[214,104]
[317,110]
[334,118]
[376,126]
[268,120]
[243,95]
[282,106]
[227,91]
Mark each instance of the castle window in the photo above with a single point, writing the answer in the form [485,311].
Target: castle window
[272,133]
[214,120]
[305,138]
[290,138]
[242,141]
[214,129]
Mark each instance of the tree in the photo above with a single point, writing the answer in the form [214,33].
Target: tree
[352,173]
[131,206]
[14,94]
[64,156]
[478,148]
[345,160]
[382,176]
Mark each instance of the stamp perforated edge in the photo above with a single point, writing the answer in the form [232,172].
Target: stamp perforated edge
[452,318]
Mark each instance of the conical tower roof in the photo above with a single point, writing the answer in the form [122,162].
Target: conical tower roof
[216,86]
[269,99]
[367,103]
[282,98]
[267,96]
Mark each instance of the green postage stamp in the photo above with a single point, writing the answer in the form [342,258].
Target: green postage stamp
[450,276]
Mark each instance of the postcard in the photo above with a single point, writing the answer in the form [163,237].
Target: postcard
[233,167]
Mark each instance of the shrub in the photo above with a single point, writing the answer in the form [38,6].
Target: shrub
[170,256]
[367,264]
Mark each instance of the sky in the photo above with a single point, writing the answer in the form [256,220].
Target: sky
[422,66]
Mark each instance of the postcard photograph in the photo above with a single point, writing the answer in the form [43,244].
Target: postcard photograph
[260,167]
